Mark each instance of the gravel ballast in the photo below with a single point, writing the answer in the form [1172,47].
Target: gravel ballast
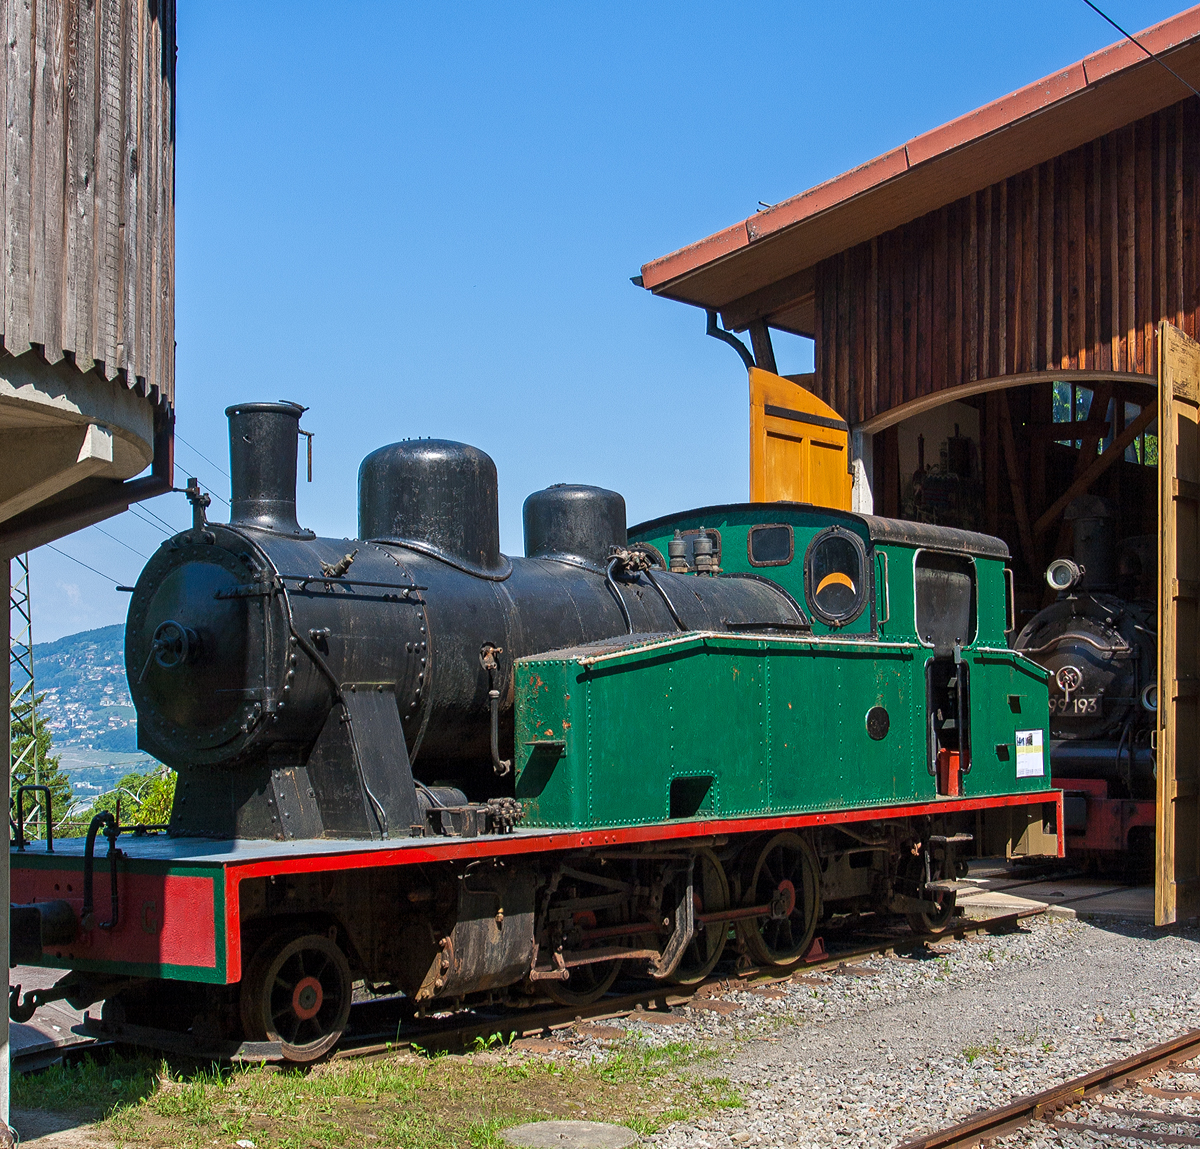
[879,1052]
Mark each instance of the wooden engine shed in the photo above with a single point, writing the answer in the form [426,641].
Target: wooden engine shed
[995,305]
[87,286]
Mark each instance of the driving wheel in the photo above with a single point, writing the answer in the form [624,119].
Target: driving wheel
[782,875]
[297,991]
[575,917]
[930,923]
[710,892]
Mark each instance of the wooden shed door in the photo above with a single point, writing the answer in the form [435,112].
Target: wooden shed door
[1177,879]
[799,445]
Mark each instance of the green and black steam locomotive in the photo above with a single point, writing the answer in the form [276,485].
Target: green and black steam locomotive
[409,761]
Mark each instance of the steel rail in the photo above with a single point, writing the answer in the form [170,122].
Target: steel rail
[1045,1105]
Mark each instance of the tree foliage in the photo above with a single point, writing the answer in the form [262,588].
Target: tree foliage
[140,799]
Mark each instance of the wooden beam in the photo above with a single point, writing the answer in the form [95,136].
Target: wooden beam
[1097,468]
[798,320]
[1014,482]
[764,353]
[1102,395]
[1118,476]
[891,472]
[762,304]
[1088,445]
[927,402]
[1041,413]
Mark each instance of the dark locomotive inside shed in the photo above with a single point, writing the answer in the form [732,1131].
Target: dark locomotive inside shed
[1068,475]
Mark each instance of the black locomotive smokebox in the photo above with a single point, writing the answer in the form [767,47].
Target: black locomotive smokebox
[574,523]
[437,497]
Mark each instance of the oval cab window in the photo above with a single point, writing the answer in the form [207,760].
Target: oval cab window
[835,573]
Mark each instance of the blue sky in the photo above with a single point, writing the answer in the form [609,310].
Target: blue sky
[422,220]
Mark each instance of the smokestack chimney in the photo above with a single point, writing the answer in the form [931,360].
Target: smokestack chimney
[263,438]
[1094,549]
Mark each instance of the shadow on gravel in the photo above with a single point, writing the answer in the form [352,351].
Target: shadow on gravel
[1143,930]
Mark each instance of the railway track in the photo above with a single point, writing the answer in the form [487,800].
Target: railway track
[379,1028]
[1124,1113]
[458,1033]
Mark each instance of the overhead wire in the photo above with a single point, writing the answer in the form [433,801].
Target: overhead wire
[159,526]
[1135,41]
[206,490]
[82,564]
[123,543]
[166,526]
[202,455]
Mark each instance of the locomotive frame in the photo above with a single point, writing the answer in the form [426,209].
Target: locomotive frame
[181,922]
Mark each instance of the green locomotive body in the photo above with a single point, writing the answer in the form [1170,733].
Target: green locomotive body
[901,690]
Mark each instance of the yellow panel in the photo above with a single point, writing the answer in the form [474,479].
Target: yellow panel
[1177,877]
[799,445]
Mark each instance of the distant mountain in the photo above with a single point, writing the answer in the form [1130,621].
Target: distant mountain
[87,704]
[88,710]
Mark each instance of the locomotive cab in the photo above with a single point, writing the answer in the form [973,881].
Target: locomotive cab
[937,592]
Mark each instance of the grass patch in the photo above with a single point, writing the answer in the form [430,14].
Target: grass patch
[398,1102]
[974,1052]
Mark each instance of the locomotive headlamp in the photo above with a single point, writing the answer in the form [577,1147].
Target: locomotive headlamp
[1063,574]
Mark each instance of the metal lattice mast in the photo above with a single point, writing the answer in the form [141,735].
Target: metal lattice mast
[22,707]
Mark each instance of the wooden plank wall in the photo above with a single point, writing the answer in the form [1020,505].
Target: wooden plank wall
[1069,265]
[89,186]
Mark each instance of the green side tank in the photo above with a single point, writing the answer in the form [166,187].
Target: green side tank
[901,690]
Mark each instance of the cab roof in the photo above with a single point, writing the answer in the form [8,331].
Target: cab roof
[894,532]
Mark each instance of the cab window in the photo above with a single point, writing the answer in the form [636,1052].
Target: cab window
[771,545]
[945,600]
[835,576]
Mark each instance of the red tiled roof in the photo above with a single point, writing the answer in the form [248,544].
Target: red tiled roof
[1102,92]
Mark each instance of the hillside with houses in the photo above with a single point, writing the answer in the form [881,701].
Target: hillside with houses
[87,707]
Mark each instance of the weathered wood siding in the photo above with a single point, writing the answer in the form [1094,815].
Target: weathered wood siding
[1069,265]
[89,185]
